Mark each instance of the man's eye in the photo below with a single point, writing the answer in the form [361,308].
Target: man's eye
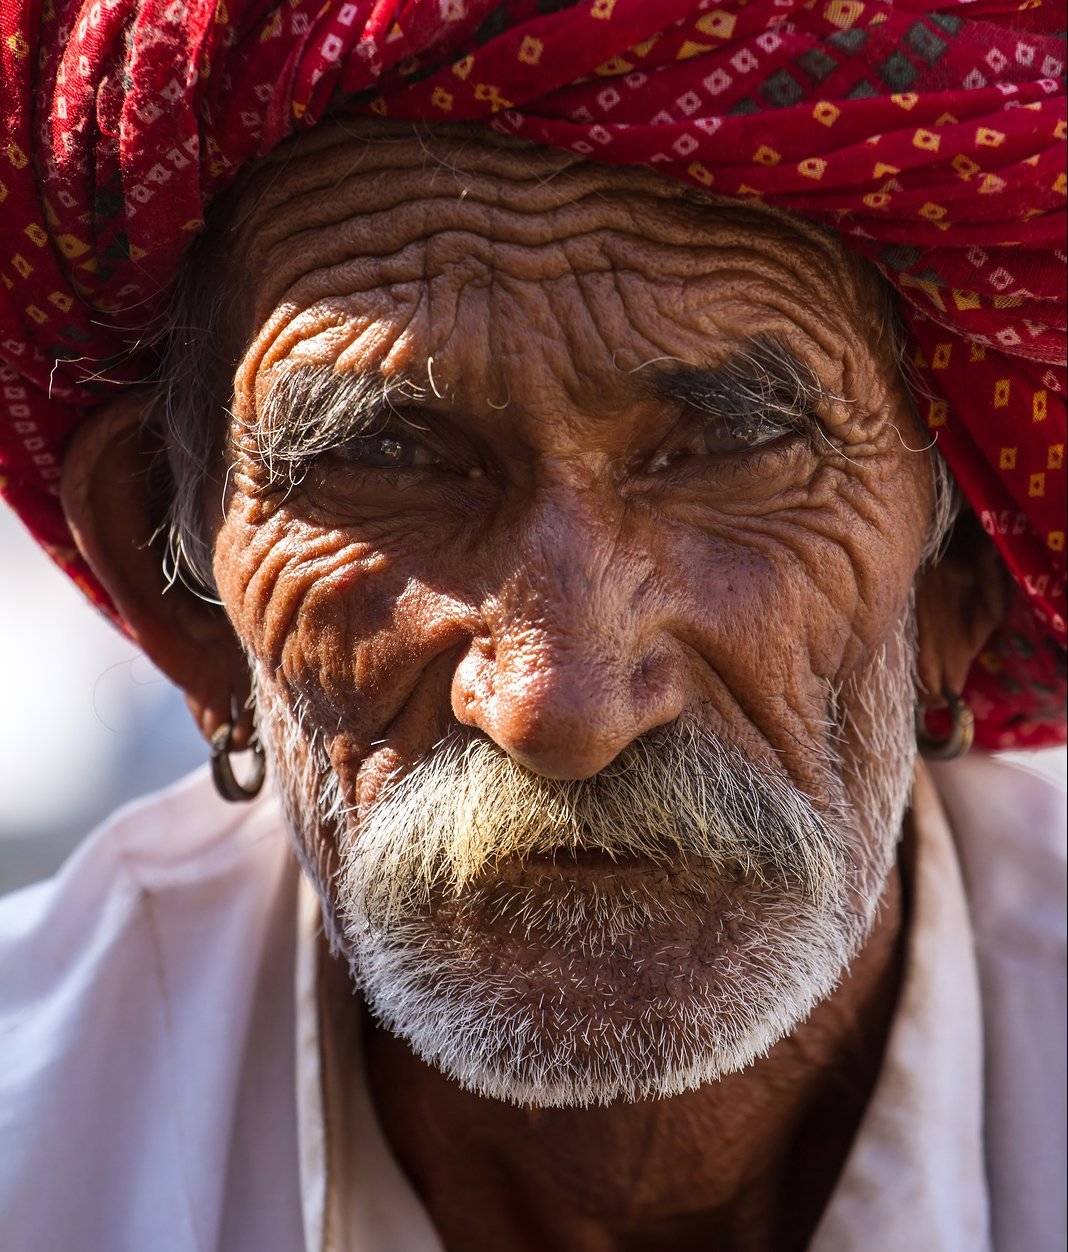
[719,438]
[390,451]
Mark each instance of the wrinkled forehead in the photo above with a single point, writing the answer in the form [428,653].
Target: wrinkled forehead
[374,246]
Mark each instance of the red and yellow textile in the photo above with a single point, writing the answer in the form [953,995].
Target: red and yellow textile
[931,136]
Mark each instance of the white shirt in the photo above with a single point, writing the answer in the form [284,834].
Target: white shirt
[162,1071]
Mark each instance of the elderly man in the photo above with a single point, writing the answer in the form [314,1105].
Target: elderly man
[570,546]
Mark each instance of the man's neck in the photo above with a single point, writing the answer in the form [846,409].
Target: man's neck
[745,1164]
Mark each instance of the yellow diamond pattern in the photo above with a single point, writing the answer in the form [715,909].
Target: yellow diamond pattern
[530,50]
[718,23]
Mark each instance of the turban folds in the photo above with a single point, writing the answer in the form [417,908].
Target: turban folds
[930,136]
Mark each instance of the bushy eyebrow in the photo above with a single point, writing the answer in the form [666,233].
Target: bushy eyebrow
[762,381]
[311,410]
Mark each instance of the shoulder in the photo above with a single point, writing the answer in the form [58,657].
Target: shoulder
[124,991]
[1009,825]
[1011,829]
[179,841]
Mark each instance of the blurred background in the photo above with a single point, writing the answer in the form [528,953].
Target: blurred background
[86,722]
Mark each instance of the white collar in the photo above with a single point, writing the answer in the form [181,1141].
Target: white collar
[913,1179]
[915,1176]
[354,1196]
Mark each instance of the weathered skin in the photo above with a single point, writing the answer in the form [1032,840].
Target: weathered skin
[572,598]
[571,570]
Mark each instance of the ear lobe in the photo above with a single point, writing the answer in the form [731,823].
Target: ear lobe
[959,603]
[107,498]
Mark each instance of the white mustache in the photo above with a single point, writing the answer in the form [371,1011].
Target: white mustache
[467,807]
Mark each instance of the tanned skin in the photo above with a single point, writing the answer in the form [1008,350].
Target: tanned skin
[598,575]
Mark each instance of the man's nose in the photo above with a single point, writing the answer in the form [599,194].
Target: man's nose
[563,713]
[564,688]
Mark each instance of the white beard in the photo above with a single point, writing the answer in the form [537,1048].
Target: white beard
[736,909]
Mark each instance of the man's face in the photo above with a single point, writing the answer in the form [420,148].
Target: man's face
[570,528]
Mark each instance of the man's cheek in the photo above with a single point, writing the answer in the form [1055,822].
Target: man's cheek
[286,584]
[767,640]
[360,643]
[340,625]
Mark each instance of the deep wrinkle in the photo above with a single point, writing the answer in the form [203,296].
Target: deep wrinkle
[580,594]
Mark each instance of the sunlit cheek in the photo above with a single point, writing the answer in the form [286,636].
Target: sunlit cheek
[321,610]
[770,606]
[352,640]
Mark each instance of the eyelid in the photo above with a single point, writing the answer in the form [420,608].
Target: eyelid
[362,449]
[748,431]
[752,425]
[387,424]
[689,438]
[451,456]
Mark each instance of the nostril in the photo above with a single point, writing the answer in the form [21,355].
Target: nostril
[473,682]
[565,707]
[653,673]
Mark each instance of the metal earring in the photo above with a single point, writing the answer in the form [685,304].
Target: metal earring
[222,774]
[961,731]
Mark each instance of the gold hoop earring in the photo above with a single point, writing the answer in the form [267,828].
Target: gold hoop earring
[961,731]
[222,774]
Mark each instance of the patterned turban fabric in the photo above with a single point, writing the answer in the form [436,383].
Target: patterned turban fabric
[930,136]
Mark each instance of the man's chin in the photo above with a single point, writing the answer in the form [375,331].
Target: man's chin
[566,983]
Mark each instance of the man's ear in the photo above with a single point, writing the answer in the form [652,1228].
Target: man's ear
[108,499]
[960,601]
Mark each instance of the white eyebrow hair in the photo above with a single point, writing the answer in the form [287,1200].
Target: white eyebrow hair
[310,410]
[762,379]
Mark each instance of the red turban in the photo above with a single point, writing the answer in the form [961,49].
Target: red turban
[929,135]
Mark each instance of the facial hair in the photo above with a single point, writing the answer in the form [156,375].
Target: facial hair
[562,943]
